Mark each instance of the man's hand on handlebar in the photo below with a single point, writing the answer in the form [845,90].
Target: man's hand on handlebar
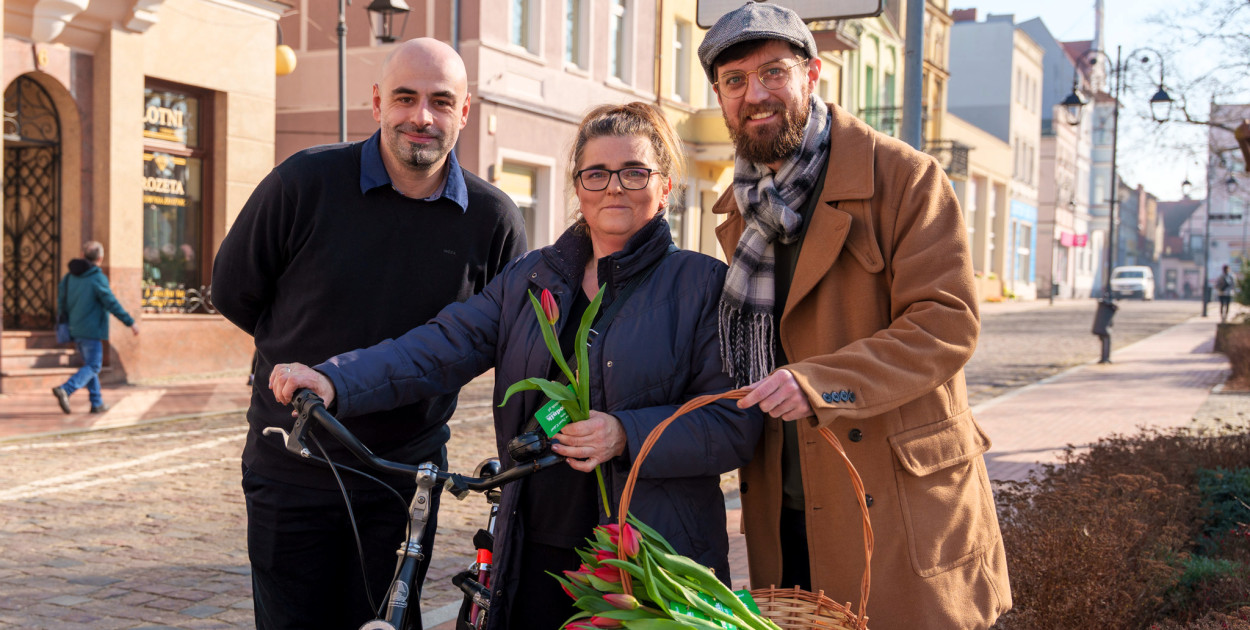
[287,378]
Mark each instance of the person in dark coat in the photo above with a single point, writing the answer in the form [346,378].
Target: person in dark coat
[659,351]
[84,297]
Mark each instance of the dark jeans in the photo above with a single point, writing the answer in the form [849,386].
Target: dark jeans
[795,562]
[92,353]
[305,567]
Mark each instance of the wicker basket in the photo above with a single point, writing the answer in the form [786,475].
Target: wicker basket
[790,609]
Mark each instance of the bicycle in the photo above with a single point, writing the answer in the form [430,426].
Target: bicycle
[531,453]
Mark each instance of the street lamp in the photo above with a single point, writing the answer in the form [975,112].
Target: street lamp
[387,10]
[1160,110]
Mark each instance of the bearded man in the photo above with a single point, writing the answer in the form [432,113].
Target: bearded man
[341,247]
[849,304]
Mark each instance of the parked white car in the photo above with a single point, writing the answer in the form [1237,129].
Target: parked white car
[1133,281]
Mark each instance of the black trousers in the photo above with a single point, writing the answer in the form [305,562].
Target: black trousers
[796,565]
[305,567]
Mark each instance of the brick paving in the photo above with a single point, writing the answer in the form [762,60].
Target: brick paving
[143,526]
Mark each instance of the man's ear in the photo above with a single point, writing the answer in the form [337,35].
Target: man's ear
[813,72]
[377,103]
[464,112]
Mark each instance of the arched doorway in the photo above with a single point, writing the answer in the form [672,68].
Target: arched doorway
[32,206]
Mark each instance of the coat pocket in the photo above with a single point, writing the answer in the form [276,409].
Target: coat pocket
[947,506]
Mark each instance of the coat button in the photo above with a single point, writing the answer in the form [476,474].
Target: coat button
[609,364]
[742,487]
[868,500]
[827,397]
[533,275]
[856,435]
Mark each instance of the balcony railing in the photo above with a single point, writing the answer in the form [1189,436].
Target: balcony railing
[883,119]
[951,154]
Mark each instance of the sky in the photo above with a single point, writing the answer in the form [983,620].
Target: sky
[1159,156]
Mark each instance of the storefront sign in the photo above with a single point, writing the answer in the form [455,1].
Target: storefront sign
[170,116]
[1068,239]
[164,180]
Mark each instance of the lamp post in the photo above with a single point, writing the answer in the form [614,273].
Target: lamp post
[386,9]
[1160,110]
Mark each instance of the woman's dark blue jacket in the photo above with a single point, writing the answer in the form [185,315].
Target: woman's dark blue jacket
[660,350]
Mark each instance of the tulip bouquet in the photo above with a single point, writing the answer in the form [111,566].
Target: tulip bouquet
[676,592]
[572,403]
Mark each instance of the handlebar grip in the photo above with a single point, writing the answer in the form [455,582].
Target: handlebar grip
[304,400]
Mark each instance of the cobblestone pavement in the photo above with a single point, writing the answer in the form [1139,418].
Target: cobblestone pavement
[144,526]
[1018,347]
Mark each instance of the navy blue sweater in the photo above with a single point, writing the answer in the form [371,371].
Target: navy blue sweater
[314,267]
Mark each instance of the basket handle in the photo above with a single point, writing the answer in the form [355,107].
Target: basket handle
[856,482]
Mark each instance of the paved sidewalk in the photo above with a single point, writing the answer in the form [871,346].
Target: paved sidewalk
[1161,382]
[27,414]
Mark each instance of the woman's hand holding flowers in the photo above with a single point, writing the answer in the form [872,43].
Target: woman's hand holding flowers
[591,442]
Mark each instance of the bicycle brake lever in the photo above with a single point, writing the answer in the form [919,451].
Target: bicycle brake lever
[288,440]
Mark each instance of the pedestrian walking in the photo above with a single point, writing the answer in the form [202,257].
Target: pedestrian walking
[1225,286]
[341,247]
[84,299]
[849,304]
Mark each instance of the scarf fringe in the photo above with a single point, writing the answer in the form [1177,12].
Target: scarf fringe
[747,346]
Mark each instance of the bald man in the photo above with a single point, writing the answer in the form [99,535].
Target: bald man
[341,247]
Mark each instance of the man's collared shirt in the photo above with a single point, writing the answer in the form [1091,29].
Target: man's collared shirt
[373,174]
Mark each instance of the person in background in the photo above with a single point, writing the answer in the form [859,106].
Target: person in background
[343,246]
[658,351]
[85,299]
[849,304]
[1225,286]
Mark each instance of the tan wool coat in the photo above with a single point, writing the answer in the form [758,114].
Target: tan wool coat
[880,320]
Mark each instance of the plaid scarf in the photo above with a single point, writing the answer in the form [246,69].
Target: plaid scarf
[768,204]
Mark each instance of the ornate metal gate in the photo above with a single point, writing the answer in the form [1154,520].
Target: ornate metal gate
[32,206]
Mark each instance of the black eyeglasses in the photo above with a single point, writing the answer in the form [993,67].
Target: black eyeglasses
[632,178]
[773,75]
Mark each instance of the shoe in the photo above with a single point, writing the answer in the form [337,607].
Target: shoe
[99,408]
[62,398]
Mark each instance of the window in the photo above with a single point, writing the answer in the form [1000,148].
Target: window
[616,40]
[676,214]
[1024,241]
[519,34]
[520,182]
[574,46]
[681,61]
[175,160]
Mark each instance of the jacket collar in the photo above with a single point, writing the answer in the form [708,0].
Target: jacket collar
[568,255]
[852,143]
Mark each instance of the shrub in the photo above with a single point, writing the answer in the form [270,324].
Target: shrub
[1110,538]
[1237,348]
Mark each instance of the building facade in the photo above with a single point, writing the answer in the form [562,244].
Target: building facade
[996,79]
[145,127]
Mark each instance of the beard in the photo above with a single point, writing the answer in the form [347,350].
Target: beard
[419,156]
[773,142]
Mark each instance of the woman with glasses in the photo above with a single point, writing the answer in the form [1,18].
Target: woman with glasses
[658,350]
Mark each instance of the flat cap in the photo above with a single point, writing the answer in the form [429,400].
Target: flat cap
[754,20]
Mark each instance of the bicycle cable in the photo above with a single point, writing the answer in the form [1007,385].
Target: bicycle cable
[325,459]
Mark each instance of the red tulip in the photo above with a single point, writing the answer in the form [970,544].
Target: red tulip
[604,555]
[579,576]
[622,601]
[567,591]
[580,625]
[550,308]
[631,542]
[604,622]
[608,573]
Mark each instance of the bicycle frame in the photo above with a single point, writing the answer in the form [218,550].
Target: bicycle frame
[403,590]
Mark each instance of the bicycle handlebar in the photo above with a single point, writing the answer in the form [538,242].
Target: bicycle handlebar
[310,406]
